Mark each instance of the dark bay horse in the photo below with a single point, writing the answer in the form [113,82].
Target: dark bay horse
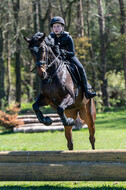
[58,90]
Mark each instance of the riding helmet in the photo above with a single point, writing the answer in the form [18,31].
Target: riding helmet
[57,19]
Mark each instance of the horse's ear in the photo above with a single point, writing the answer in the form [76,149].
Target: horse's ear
[27,39]
[44,35]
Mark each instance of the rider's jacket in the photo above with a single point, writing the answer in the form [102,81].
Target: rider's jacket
[65,42]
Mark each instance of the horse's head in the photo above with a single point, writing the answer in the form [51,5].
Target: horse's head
[38,49]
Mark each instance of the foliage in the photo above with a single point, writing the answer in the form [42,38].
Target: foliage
[87,48]
[9,121]
[116,88]
[82,46]
[120,44]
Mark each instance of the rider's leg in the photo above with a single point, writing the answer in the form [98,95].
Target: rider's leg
[82,72]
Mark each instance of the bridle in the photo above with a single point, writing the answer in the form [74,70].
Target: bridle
[46,64]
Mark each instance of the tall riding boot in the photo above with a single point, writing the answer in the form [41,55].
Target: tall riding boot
[88,94]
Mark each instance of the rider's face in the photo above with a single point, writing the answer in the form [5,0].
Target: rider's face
[57,28]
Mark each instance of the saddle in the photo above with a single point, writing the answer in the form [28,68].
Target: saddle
[74,72]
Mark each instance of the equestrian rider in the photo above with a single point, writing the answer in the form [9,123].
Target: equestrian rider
[66,46]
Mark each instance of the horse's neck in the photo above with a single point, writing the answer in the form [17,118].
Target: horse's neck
[53,60]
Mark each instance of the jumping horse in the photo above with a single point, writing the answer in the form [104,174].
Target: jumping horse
[58,90]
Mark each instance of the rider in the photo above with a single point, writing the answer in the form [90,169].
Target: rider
[66,45]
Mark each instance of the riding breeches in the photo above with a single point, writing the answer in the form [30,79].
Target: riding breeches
[81,69]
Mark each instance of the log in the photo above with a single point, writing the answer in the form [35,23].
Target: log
[97,165]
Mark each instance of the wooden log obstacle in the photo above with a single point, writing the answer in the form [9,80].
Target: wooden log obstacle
[31,124]
[97,165]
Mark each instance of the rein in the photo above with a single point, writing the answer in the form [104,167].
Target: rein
[48,65]
[52,75]
[53,61]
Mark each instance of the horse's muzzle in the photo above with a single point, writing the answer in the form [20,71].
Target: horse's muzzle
[41,72]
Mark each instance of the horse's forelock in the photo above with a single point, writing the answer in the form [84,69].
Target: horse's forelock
[37,35]
[35,38]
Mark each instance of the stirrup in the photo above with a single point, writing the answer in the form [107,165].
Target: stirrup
[90,95]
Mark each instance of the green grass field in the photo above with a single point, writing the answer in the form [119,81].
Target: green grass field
[110,134]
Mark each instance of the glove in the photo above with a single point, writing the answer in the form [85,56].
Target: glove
[63,53]
[57,50]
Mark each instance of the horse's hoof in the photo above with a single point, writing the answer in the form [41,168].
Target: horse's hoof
[48,121]
[70,122]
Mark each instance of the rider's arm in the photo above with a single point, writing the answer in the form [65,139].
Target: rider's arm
[70,49]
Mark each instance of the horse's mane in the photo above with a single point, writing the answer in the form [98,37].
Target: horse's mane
[49,41]
[37,35]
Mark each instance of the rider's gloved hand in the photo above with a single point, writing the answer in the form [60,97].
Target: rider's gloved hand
[56,49]
[63,53]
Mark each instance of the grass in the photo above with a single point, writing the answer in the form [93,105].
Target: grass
[110,134]
[63,185]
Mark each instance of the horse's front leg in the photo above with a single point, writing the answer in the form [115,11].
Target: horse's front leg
[41,101]
[60,110]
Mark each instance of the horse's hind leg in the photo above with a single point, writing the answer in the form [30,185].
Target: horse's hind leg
[41,101]
[88,114]
[68,130]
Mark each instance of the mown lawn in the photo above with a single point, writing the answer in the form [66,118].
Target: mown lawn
[110,134]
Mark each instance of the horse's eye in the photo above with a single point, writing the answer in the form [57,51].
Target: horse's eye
[36,49]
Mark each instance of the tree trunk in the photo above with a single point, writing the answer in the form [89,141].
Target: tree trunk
[80,21]
[8,57]
[18,73]
[36,29]
[16,9]
[8,70]
[36,16]
[102,54]
[66,12]
[2,90]
[39,26]
[123,31]
[50,13]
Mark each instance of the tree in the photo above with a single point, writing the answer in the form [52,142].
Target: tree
[16,9]
[123,32]
[66,11]
[80,21]
[2,69]
[8,53]
[102,54]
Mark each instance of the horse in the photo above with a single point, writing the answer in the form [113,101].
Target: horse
[58,89]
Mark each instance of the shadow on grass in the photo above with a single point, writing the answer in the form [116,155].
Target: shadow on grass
[6,132]
[113,123]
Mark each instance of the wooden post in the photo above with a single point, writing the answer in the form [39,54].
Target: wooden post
[97,165]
